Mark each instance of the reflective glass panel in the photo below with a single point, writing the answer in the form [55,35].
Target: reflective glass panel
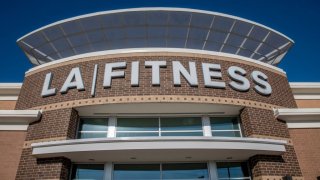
[224,123]
[88,171]
[226,133]
[137,134]
[93,124]
[200,133]
[85,135]
[181,123]
[137,124]
[136,171]
[236,170]
[89,126]
[185,171]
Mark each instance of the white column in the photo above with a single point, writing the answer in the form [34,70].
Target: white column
[206,126]
[213,170]
[112,127]
[108,171]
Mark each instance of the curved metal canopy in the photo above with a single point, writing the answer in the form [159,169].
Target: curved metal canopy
[155,27]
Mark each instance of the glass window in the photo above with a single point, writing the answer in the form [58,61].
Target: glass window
[88,171]
[186,126]
[93,128]
[185,171]
[161,171]
[232,170]
[130,127]
[136,171]
[225,126]
[133,127]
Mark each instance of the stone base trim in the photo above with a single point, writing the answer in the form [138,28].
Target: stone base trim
[27,144]
[289,141]
[155,99]
[275,178]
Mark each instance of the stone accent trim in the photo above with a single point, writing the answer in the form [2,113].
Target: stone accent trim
[138,54]
[289,141]
[155,99]
[27,144]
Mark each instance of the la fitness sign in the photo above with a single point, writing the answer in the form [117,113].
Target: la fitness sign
[212,76]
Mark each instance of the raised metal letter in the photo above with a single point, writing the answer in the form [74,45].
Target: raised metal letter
[239,83]
[155,65]
[135,73]
[109,74]
[74,80]
[262,86]
[46,91]
[212,71]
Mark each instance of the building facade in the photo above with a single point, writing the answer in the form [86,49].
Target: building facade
[158,93]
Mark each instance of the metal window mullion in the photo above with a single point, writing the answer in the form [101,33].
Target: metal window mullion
[277,50]
[227,130]
[124,27]
[245,39]
[93,131]
[112,123]
[85,34]
[206,126]
[259,46]
[161,175]
[167,29]
[137,131]
[184,131]
[108,169]
[32,49]
[159,121]
[225,40]
[105,37]
[50,43]
[68,40]
[239,126]
[213,173]
[185,43]
[209,31]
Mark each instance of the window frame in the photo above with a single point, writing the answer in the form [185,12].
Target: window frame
[227,130]
[206,126]
[78,132]
[161,166]
[159,131]
[246,178]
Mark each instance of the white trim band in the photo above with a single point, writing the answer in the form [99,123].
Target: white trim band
[155,50]
[109,149]
[300,117]
[18,119]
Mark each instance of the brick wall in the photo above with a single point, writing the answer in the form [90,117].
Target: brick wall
[30,95]
[307,145]
[53,124]
[33,168]
[262,122]
[11,143]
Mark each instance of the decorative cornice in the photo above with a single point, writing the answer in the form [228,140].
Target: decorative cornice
[299,117]
[305,90]
[9,91]
[18,119]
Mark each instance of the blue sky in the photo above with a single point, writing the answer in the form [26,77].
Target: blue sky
[300,20]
